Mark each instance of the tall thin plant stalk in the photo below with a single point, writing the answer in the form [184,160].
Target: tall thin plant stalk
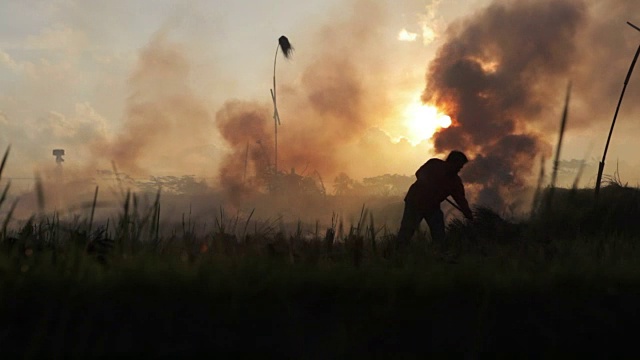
[3,197]
[6,188]
[93,210]
[556,159]
[287,50]
[4,159]
[615,115]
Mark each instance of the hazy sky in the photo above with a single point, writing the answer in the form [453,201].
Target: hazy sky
[144,83]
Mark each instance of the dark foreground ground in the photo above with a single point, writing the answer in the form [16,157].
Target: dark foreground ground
[566,280]
[301,312]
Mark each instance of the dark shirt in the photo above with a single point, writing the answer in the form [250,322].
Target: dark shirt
[436,180]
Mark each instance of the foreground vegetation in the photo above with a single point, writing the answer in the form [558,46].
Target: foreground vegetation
[565,279]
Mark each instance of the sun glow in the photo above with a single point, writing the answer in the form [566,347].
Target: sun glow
[422,121]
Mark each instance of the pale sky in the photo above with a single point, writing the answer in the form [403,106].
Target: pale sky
[68,76]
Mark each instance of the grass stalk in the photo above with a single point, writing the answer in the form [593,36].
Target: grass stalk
[556,160]
[93,210]
[4,159]
[613,122]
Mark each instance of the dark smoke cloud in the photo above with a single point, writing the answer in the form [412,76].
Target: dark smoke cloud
[493,76]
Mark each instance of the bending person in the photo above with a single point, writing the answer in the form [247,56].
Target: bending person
[435,181]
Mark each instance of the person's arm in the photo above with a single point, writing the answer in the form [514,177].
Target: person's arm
[461,200]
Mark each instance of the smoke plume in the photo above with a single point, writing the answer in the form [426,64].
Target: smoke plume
[163,118]
[331,106]
[496,75]
[500,74]
[244,126]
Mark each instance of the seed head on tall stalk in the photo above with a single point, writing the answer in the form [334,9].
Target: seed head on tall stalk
[287,50]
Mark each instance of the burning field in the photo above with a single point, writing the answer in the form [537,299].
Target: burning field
[184,215]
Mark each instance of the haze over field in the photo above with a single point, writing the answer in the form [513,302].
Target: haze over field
[182,88]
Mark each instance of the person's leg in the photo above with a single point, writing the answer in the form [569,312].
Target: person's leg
[411,218]
[435,220]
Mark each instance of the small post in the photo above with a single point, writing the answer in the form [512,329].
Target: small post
[58,153]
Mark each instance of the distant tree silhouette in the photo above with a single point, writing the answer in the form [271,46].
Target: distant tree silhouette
[387,184]
[343,184]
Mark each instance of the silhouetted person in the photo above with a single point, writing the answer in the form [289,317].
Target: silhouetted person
[436,180]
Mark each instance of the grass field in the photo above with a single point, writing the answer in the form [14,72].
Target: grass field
[565,279]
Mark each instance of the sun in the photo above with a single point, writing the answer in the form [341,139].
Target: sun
[422,121]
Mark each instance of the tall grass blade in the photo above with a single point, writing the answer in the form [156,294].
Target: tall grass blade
[155,220]
[246,224]
[538,193]
[556,159]
[7,219]
[574,186]
[123,230]
[93,210]
[4,159]
[372,234]
[3,197]
[583,163]
[117,175]
[363,216]
[158,224]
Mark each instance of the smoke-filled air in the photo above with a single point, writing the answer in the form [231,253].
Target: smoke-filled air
[500,75]
[494,76]
[371,90]
[319,178]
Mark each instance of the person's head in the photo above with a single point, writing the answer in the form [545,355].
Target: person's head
[457,160]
